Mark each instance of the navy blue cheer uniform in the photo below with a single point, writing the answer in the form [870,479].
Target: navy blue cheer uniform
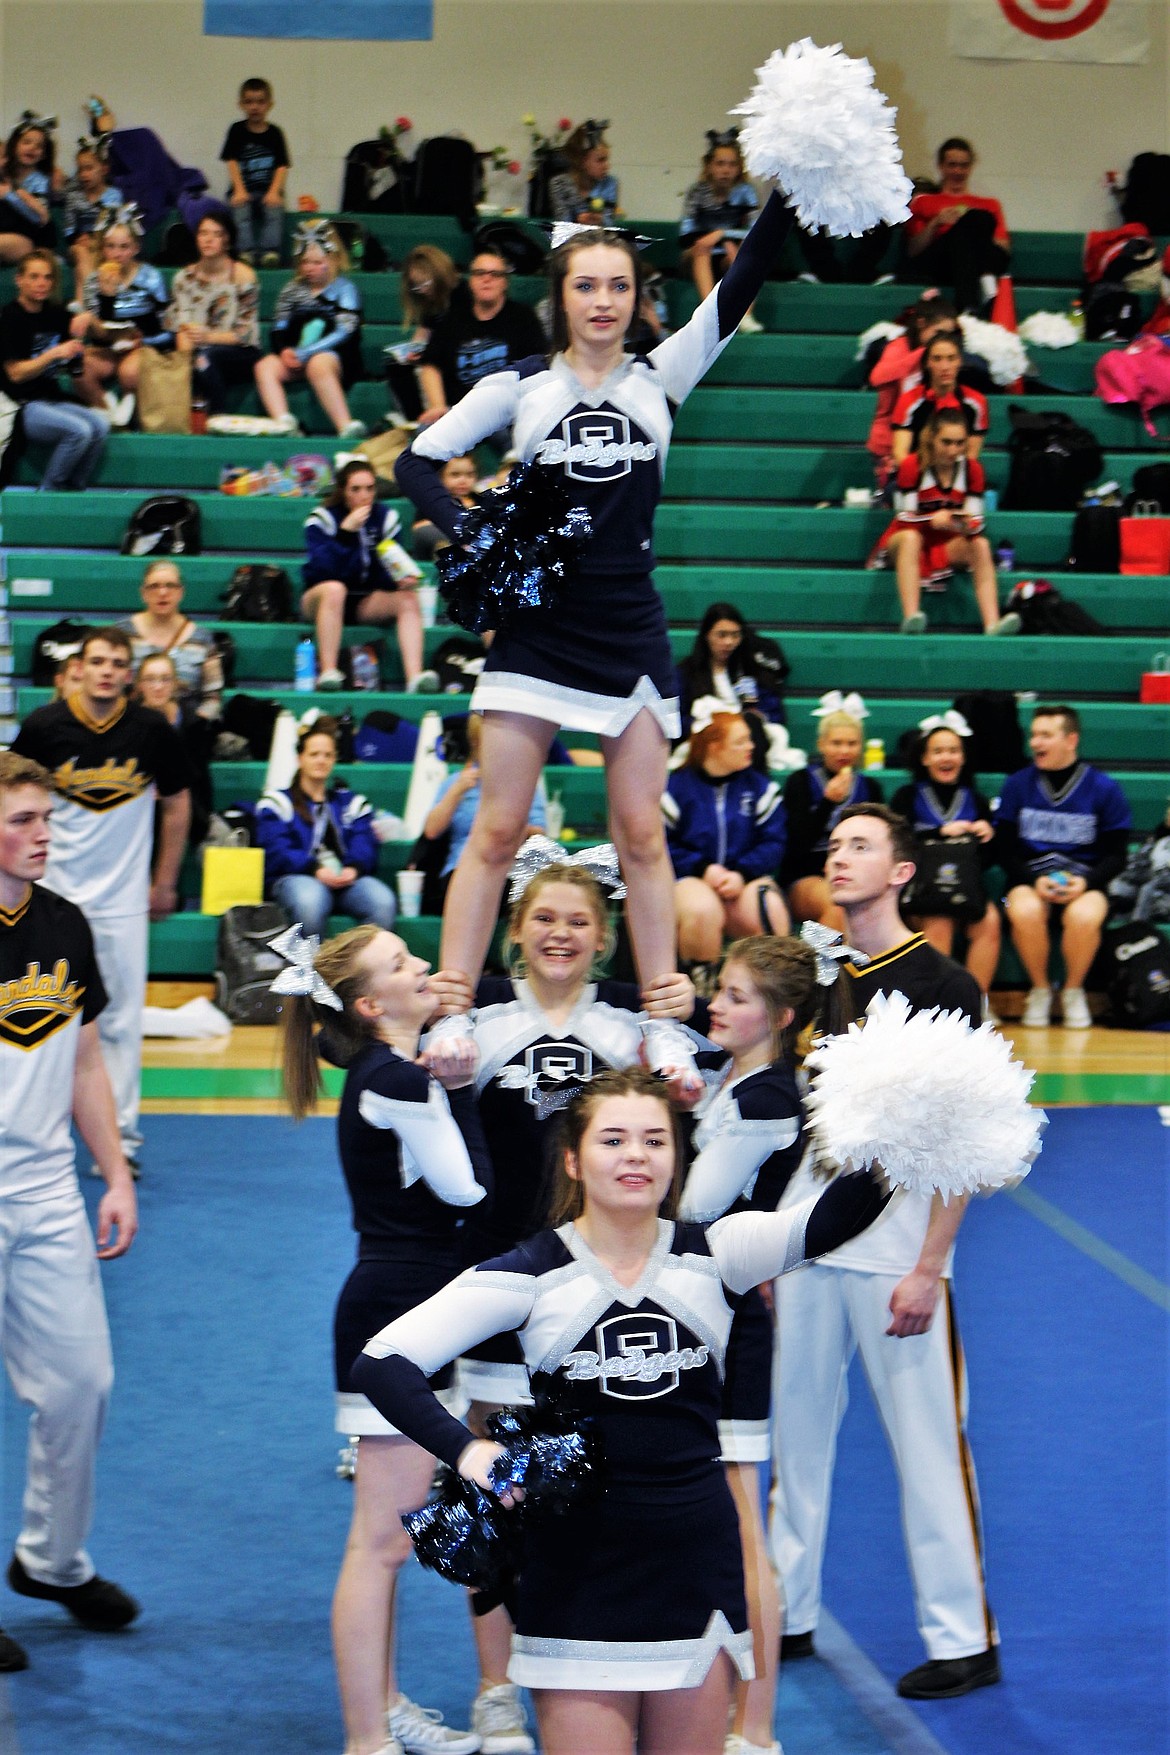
[641,1589]
[738,821]
[812,818]
[529,1070]
[748,1142]
[602,654]
[1075,820]
[413,1160]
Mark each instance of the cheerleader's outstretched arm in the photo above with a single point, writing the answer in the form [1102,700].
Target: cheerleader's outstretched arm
[752,1247]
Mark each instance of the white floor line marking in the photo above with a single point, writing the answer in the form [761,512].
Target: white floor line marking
[893,1718]
[1104,1254]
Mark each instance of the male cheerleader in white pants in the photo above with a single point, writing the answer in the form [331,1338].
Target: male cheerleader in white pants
[109,759]
[887,1295]
[53,1332]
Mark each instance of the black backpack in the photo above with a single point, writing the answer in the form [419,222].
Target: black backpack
[245,968]
[1053,460]
[258,593]
[166,524]
[1151,487]
[53,644]
[997,743]
[503,237]
[1095,544]
[1042,610]
[458,664]
[253,719]
[1112,312]
[1147,192]
[377,179]
[448,178]
[1138,984]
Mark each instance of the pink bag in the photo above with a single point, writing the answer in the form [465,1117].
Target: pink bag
[1138,373]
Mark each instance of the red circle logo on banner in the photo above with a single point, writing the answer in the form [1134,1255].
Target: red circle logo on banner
[1079,15]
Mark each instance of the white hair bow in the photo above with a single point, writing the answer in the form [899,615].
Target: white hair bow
[708,708]
[835,702]
[301,978]
[538,852]
[948,721]
[831,951]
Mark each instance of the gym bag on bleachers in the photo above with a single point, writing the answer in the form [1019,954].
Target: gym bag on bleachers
[1095,545]
[1053,460]
[1138,983]
[53,644]
[258,593]
[166,524]
[245,968]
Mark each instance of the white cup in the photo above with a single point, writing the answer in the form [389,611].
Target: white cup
[428,604]
[410,889]
[554,817]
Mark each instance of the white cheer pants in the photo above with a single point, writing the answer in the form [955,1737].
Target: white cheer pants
[56,1347]
[919,1384]
[121,946]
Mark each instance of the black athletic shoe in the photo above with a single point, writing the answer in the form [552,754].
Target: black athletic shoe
[796,1645]
[947,1678]
[98,1604]
[12,1656]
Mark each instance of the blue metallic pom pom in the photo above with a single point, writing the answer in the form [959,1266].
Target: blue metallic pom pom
[517,550]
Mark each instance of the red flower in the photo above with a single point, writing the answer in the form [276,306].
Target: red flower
[514,167]
[403,124]
[564,124]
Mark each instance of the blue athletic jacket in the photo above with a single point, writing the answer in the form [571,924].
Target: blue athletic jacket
[739,822]
[344,824]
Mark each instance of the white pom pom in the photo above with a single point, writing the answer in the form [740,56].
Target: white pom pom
[938,1105]
[1006,356]
[1049,329]
[820,128]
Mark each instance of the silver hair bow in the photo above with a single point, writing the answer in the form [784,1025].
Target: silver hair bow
[835,702]
[831,951]
[129,215]
[301,978]
[948,721]
[538,852]
[561,230]
[43,124]
[315,231]
[706,709]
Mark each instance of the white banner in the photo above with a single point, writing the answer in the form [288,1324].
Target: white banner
[1051,30]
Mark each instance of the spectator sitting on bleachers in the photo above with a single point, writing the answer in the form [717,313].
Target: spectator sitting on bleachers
[320,850]
[214,312]
[478,336]
[157,685]
[814,798]
[429,279]
[1063,829]
[585,194]
[735,665]
[456,803]
[940,386]
[957,238]
[725,831]
[124,300]
[459,476]
[90,202]
[717,211]
[38,340]
[316,333]
[943,801]
[28,183]
[938,501]
[356,573]
[161,627]
[897,369]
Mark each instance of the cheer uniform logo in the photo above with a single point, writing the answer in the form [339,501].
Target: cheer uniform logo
[37,1004]
[637,1358]
[101,789]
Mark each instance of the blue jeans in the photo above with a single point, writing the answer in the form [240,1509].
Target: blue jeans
[311,902]
[258,226]
[77,435]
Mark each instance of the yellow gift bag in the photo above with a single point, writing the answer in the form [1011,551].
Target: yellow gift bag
[231,875]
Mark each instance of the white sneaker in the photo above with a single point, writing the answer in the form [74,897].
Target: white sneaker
[1074,1009]
[425,683]
[987,1015]
[331,679]
[286,424]
[914,624]
[498,1715]
[734,1744]
[750,325]
[123,413]
[420,1730]
[1037,1009]
[354,429]
[1007,624]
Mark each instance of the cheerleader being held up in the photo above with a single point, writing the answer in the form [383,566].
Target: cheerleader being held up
[939,526]
[630,1620]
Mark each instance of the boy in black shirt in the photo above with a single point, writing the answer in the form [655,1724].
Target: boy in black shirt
[258,163]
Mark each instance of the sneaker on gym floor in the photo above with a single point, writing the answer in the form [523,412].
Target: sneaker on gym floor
[914,624]
[499,1718]
[1074,1009]
[421,1731]
[1037,1009]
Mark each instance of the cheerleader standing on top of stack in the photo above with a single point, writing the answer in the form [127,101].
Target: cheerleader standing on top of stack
[630,1608]
[601,660]
[413,1159]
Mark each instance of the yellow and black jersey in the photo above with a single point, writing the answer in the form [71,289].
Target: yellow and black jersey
[49,988]
[106,774]
[924,975]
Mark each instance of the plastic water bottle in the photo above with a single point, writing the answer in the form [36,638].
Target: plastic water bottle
[364,667]
[305,667]
[1005,557]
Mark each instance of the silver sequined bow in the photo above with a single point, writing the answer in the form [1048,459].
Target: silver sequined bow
[831,951]
[538,852]
[301,978]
